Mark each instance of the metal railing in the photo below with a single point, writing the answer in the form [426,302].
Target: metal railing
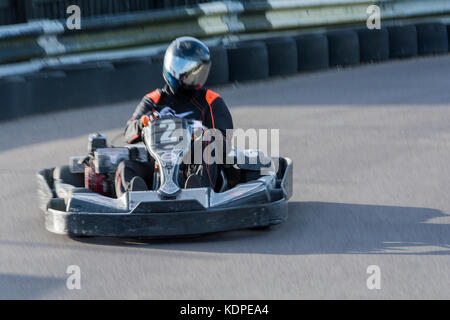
[43,40]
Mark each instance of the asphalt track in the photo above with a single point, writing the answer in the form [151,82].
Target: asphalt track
[371,147]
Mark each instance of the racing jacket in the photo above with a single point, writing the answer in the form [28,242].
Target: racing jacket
[204,105]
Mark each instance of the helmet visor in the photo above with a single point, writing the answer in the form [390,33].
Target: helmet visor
[191,73]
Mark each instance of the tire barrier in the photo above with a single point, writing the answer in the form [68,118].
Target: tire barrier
[282,54]
[96,83]
[373,45]
[448,35]
[432,38]
[48,91]
[312,52]
[141,76]
[78,86]
[114,24]
[248,61]
[343,48]
[219,73]
[403,41]
[11,93]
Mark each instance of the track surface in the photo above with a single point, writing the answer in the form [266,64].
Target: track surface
[371,148]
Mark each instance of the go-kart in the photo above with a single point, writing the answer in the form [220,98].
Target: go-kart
[246,196]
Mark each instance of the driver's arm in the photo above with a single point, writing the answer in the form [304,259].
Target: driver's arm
[220,119]
[133,128]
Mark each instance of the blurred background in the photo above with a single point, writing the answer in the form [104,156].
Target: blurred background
[20,11]
[45,61]
[363,112]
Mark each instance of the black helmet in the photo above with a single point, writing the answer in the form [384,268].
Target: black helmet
[186,64]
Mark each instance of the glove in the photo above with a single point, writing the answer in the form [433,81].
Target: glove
[144,121]
[167,112]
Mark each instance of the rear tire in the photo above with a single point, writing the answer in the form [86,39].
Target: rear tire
[74,179]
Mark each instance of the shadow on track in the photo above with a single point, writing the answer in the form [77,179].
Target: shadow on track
[321,228]
[18,286]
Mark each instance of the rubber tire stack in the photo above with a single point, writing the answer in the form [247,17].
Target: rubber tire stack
[312,52]
[134,78]
[448,35]
[248,61]
[219,73]
[13,97]
[373,45]
[343,48]
[282,54]
[403,41]
[49,91]
[432,38]
[74,86]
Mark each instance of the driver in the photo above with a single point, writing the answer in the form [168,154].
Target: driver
[186,68]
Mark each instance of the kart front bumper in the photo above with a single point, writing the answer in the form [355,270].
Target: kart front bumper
[166,224]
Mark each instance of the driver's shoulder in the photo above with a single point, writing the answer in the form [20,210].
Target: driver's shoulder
[208,95]
[155,95]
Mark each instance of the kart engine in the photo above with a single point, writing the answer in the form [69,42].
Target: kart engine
[100,166]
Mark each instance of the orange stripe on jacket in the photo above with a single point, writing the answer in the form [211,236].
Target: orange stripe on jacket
[134,138]
[211,96]
[154,96]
